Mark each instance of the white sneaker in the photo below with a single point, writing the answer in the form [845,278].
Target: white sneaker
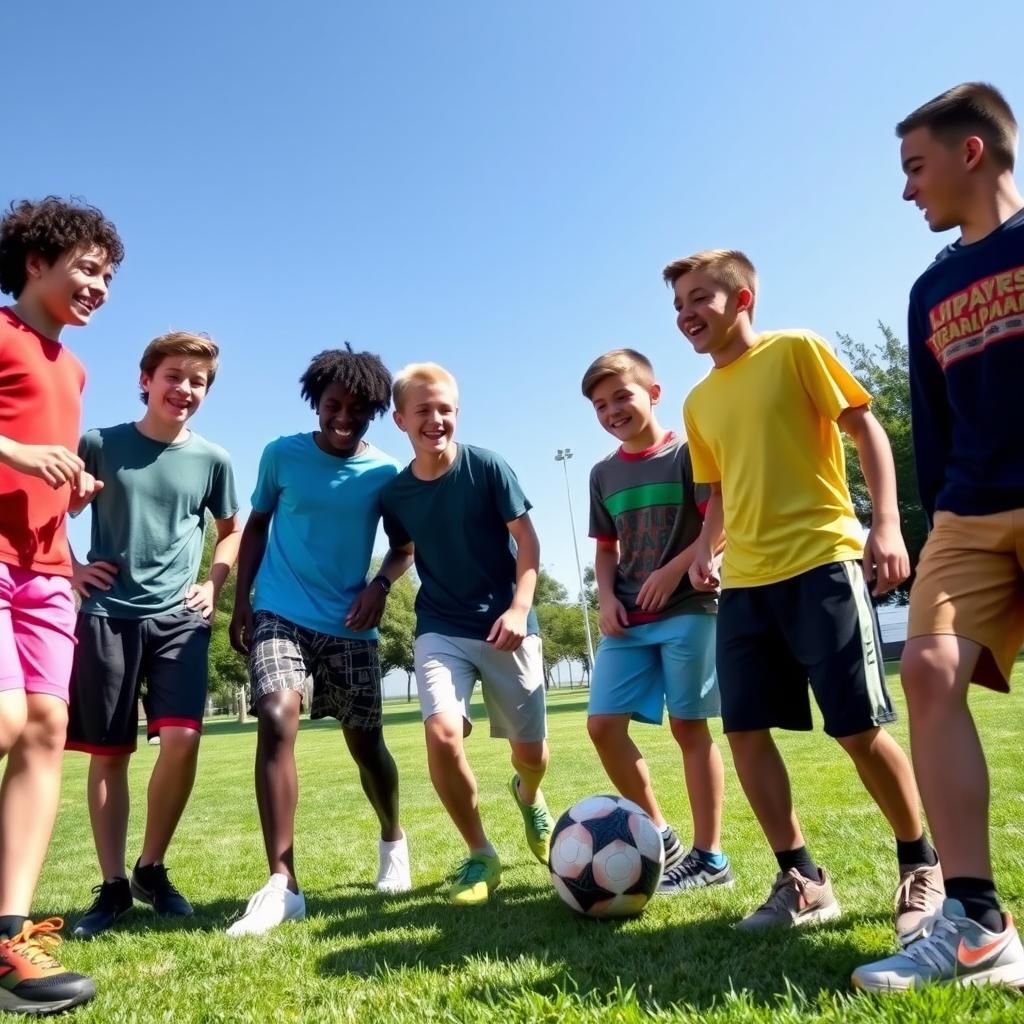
[394,875]
[272,905]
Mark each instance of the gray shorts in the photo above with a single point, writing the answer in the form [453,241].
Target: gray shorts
[447,668]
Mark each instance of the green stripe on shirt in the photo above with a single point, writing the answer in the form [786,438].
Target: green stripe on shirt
[645,496]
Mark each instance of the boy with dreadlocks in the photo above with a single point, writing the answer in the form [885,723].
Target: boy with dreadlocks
[313,615]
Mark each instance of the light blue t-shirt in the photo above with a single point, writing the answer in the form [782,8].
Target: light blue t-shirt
[325,513]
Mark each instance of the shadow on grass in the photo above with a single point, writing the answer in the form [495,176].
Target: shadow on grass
[693,962]
[213,916]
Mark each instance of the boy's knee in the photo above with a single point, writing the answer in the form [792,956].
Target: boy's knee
[46,726]
[179,742]
[690,733]
[278,719]
[444,738]
[604,729]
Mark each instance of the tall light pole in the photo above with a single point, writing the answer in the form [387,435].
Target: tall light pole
[563,455]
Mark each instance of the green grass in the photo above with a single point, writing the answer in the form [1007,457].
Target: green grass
[525,957]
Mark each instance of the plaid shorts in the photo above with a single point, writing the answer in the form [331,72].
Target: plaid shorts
[345,673]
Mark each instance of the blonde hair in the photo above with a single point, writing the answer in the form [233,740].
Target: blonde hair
[419,373]
[179,343]
[728,267]
[623,362]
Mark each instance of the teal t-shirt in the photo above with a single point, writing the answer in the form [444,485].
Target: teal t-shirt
[325,510]
[149,518]
[465,556]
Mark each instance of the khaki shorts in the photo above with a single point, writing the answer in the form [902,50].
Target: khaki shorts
[970,583]
[447,668]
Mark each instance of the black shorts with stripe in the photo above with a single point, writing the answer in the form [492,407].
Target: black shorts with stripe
[818,627]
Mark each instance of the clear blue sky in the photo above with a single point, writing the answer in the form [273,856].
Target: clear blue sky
[492,186]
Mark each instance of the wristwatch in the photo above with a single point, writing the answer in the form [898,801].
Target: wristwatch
[384,582]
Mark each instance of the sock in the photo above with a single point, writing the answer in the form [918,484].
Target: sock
[915,853]
[799,859]
[716,860]
[978,896]
[10,925]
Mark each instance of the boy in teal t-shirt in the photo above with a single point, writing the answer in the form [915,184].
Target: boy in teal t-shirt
[145,618]
[303,609]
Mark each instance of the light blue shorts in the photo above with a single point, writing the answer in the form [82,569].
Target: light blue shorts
[670,662]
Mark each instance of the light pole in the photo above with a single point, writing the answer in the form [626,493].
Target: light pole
[563,455]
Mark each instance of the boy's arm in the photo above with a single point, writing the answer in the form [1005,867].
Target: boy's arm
[613,621]
[368,608]
[202,597]
[250,554]
[884,547]
[662,583]
[703,573]
[50,462]
[509,629]
[97,575]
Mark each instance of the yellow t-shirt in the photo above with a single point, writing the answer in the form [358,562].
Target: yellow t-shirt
[765,427]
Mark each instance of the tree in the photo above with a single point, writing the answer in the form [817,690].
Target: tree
[884,370]
[227,670]
[590,587]
[398,629]
[549,590]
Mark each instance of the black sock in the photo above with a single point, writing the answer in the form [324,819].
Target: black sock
[916,852]
[11,925]
[980,903]
[143,872]
[799,859]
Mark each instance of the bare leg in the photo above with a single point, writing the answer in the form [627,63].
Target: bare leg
[452,777]
[705,780]
[109,804]
[277,780]
[623,762]
[170,786]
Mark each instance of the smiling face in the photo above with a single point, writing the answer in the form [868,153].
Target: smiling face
[939,176]
[344,419]
[70,289]
[428,415]
[176,388]
[624,407]
[707,311]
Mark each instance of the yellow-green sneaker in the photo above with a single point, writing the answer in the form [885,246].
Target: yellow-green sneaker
[475,878]
[538,821]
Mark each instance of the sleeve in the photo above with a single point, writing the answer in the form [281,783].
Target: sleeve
[930,420]
[264,495]
[602,526]
[699,494]
[512,502]
[398,535]
[702,459]
[830,385]
[222,501]
[90,447]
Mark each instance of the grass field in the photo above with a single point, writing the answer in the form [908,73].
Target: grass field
[525,957]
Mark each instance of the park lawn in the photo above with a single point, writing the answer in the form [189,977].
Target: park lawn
[525,957]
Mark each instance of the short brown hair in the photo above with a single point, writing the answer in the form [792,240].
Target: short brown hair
[973,108]
[179,343]
[419,373]
[729,267]
[624,362]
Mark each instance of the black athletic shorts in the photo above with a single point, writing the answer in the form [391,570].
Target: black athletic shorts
[163,659]
[819,627]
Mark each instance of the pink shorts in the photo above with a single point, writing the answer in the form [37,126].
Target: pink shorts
[37,631]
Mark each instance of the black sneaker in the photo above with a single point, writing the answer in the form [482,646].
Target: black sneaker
[693,873]
[113,899]
[674,852]
[151,885]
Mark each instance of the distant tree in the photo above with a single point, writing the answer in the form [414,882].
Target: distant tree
[549,590]
[228,675]
[590,587]
[398,630]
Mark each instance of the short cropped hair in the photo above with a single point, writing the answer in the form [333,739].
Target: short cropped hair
[179,343]
[728,267]
[51,227]
[360,373]
[973,108]
[419,373]
[623,362]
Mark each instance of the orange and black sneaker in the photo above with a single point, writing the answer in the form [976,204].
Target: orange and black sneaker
[32,979]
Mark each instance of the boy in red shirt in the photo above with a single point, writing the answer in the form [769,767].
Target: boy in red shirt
[56,260]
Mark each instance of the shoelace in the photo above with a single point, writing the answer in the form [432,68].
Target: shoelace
[471,871]
[260,897]
[686,873]
[914,891]
[937,950]
[36,940]
[777,898]
[540,820]
[162,882]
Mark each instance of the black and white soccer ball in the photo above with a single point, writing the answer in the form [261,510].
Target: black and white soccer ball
[606,857]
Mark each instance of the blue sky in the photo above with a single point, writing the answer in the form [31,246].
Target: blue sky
[495,187]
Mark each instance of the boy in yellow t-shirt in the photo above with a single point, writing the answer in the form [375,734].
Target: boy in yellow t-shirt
[763,430]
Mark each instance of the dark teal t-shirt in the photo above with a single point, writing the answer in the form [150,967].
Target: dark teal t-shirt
[149,518]
[465,556]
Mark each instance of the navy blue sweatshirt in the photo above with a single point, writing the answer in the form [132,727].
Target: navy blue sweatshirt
[966,341]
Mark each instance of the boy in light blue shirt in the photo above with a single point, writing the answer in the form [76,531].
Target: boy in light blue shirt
[313,615]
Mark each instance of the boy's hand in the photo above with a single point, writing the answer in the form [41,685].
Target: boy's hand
[202,598]
[368,608]
[658,588]
[87,489]
[703,570]
[613,620]
[50,462]
[98,575]
[509,630]
[240,629]
[886,562]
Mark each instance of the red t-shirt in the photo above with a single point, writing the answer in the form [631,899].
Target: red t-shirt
[40,403]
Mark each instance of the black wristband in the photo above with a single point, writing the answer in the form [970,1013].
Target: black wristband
[384,582]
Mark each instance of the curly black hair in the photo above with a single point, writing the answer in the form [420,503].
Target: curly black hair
[50,227]
[361,373]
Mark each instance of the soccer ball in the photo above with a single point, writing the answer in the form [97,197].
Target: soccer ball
[606,857]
